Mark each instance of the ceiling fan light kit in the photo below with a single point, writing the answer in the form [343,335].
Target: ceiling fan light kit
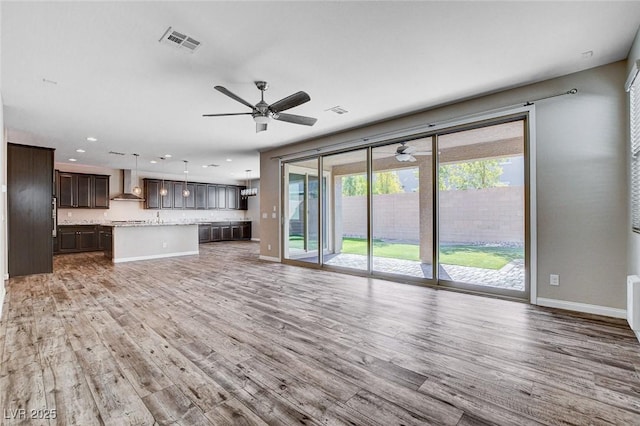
[263,112]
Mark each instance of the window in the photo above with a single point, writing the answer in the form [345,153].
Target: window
[633,87]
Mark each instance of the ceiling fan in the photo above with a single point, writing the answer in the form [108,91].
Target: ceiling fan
[404,153]
[262,112]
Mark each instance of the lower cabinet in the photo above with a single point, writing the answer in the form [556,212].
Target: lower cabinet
[78,238]
[224,231]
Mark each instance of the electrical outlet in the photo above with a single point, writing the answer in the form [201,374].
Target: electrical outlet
[554,279]
[269,247]
[164,244]
[264,215]
[69,214]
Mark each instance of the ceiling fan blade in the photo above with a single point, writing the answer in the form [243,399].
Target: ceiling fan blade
[409,150]
[296,119]
[412,159]
[261,127]
[234,96]
[231,113]
[290,102]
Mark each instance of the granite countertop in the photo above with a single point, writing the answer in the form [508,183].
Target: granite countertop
[132,223]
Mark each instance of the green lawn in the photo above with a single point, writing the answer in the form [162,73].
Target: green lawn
[479,256]
[463,255]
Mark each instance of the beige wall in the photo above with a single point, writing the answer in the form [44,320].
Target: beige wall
[3,206]
[581,180]
[634,239]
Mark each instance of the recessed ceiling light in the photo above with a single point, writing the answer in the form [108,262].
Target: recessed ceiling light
[167,156]
[204,166]
[153,161]
[92,139]
[229,159]
[80,150]
[72,159]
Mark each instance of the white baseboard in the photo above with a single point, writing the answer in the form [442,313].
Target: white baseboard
[269,258]
[256,239]
[155,256]
[582,307]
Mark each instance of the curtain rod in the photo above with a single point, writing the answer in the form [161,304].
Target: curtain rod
[367,140]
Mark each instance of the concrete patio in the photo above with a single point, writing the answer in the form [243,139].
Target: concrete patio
[511,276]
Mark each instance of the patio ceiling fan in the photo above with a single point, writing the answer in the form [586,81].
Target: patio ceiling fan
[405,153]
[263,112]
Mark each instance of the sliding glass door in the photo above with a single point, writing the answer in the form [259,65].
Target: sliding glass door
[481,208]
[302,211]
[446,208]
[402,206]
[345,224]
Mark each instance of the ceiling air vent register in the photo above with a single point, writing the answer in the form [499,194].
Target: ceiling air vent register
[179,40]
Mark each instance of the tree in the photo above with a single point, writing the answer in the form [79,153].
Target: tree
[470,175]
[387,183]
[354,185]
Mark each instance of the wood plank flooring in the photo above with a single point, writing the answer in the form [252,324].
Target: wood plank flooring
[226,339]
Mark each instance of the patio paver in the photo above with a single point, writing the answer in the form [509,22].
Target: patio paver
[511,276]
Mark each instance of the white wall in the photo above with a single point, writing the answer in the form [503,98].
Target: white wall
[581,170]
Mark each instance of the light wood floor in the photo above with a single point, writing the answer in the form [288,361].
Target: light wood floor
[223,338]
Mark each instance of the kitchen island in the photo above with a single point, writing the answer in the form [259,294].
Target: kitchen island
[131,240]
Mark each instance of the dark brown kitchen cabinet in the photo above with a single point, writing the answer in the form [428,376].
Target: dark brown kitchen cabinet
[30,219]
[216,233]
[224,231]
[201,196]
[204,233]
[222,197]
[152,194]
[80,190]
[212,196]
[176,195]
[101,192]
[166,200]
[106,240]
[179,200]
[78,238]
[233,197]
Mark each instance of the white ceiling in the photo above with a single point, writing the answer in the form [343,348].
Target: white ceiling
[115,81]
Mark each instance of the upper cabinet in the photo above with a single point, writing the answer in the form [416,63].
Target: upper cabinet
[201,196]
[80,190]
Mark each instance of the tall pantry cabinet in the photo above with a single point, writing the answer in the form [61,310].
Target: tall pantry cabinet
[30,209]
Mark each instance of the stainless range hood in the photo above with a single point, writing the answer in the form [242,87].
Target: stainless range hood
[126,194]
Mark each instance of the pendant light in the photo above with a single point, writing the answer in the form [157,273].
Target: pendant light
[185,190]
[136,189]
[248,191]
[163,189]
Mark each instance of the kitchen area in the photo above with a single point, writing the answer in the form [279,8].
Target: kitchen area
[125,215]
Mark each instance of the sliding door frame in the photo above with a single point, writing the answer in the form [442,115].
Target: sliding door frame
[525,113]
